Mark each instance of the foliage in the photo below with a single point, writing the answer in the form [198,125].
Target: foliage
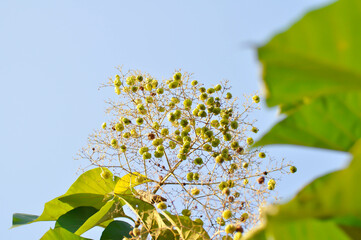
[312,71]
[190,143]
[178,146]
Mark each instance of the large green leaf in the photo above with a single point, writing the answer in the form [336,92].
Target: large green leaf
[152,221]
[332,122]
[310,229]
[112,209]
[313,72]
[116,230]
[61,234]
[89,182]
[188,229]
[317,56]
[75,218]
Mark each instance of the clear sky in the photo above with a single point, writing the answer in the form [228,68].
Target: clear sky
[55,54]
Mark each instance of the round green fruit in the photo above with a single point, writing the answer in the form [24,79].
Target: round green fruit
[104,125]
[117,90]
[262,155]
[187,103]
[123,148]
[184,122]
[254,129]
[207,147]
[222,186]
[114,143]
[227,214]
[227,137]
[203,96]
[160,90]
[234,145]
[190,176]
[156,125]
[158,154]
[228,95]
[230,183]
[177,113]
[194,82]
[215,123]
[134,88]
[219,159]
[210,90]
[154,84]
[201,107]
[198,161]
[142,150]
[173,85]
[126,135]
[158,141]
[172,145]
[202,114]
[216,142]
[234,124]
[119,127]
[140,78]
[182,156]
[164,131]
[147,155]
[216,111]
[148,87]
[177,76]
[256,99]
[226,191]
[162,206]
[126,121]
[250,141]
[230,228]
[218,87]
[130,80]
[139,121]
[293,169]
[195,191]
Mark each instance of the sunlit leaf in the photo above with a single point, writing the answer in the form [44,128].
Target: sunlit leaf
[61,234]
[89,182]
[127,182]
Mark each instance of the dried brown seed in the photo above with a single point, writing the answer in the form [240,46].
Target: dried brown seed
[260,180]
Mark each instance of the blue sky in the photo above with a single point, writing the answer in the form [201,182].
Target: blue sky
[55,54]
